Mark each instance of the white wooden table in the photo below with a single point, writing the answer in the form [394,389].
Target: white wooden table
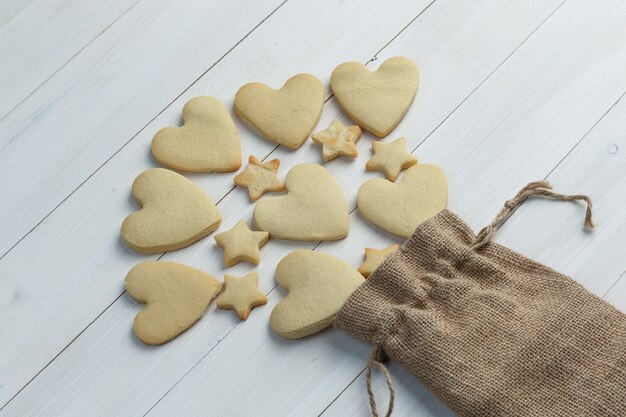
[511,91]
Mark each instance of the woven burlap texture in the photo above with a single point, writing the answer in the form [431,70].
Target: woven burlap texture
[489,331]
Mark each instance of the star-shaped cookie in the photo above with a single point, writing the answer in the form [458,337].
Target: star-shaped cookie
[241,244]
[338,140]
[374,257]
[390,158]
[260,178]
[241,294]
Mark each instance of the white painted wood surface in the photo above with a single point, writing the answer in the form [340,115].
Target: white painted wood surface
[511,91]
[9,9]
[45,36]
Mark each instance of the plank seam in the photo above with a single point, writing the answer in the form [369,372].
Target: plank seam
[546,177]
[489,76]
[375,57]
[615,283]
[587,133]
[61,351]
[191,369]
[68,61]
[341,393]
[18,13]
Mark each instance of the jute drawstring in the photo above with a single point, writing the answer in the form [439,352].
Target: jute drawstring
[376,359]
[539,189]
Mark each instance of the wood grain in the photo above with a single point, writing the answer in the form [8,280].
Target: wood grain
[40,40]
[9,9]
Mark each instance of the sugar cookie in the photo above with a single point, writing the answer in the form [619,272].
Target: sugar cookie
[378,100]
[375,257]
[241,294]
[241,244]
[176,296]
[260,178]
[286,116]
[207,141]
[390,158]
[175,213]
[400,207]
[318,285]
[338,140]
[313,209]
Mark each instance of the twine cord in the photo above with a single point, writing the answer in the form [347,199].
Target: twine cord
[375,360]
[534,189]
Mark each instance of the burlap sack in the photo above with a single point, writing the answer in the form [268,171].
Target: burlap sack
[489,331]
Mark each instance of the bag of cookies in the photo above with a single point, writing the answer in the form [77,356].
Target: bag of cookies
[487,330]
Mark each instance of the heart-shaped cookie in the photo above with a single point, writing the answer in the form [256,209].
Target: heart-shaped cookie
[318,285]
[378,100]
[207,142]
[175,213]
[286,116]
[400,207]
[176,296]
[314,208]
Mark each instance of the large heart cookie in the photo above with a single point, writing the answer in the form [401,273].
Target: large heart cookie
[286,116]
[314,208]
[318,285]
[400,207]
[207,142]
[176,296]
[378,100]
[175,213]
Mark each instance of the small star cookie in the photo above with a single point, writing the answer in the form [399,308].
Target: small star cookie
[241,294]
[374,257]
[260,178]
[338,140]
[390,158]
[241,244]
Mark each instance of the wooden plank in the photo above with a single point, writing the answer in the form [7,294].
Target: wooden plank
[42,38]
[105,95]
[548,232]
[443,30]
[101,260]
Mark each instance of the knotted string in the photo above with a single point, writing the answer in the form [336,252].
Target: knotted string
[538,189]
[375,359]
[533,189]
